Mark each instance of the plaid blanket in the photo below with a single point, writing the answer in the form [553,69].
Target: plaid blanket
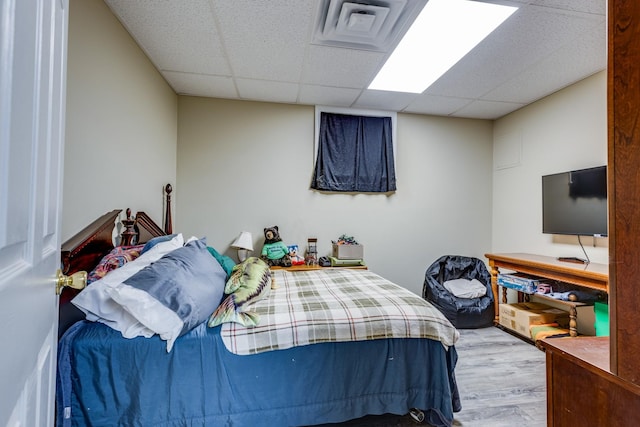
[310,307]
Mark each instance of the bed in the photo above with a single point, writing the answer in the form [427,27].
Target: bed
[271,374]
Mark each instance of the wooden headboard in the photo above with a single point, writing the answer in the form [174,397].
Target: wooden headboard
[85,249]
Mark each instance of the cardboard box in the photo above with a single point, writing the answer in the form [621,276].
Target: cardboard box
[586,320]
[519,317]
[348,251]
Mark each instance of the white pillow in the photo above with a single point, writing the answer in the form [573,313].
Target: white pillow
[97,304]
[464,288]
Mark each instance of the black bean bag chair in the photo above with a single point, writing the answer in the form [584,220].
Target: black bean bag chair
[463,313]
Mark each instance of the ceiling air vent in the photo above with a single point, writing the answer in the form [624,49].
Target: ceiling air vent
[370,25]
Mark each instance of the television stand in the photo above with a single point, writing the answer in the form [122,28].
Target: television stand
[591,275]
[573,259]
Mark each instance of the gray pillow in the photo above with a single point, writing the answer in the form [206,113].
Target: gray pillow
[176,293]
[465,288]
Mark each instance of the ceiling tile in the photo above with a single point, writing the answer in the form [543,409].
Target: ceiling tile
[571,63]
[324,95]
[265,40]
[489,110]
[201,85]
[384,100]
[339,67]
[260,90]
[436,105]
[174,37]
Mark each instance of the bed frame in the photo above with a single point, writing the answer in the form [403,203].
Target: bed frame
[85,249]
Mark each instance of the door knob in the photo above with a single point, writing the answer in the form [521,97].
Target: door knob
[77,280]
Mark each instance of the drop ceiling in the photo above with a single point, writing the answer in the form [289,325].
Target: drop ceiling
[326,52]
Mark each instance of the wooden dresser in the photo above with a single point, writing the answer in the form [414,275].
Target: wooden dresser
[582,391]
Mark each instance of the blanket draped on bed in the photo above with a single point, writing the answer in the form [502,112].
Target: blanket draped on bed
[336,305]
[107,380]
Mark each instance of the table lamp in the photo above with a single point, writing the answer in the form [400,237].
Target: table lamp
[244,244]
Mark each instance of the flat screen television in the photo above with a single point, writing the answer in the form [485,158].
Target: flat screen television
[575,202]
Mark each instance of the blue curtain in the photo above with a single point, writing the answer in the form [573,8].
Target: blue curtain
[355,154]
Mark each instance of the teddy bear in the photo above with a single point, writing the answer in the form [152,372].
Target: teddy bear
[274,252]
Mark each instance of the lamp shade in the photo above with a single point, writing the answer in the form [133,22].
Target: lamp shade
[244,241]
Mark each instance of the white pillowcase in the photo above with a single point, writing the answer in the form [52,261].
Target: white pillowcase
[464,288]
[96,302]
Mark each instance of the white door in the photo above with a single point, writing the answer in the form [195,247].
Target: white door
[33,45]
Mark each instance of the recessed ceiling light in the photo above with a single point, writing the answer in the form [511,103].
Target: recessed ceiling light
[443,33]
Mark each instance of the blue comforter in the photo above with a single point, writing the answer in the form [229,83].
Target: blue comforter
[106,380]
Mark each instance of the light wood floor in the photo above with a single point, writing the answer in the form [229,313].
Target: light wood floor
[501,380]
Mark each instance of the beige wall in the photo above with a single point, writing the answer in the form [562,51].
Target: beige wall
[247,165]
[121,130]
[565,131]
